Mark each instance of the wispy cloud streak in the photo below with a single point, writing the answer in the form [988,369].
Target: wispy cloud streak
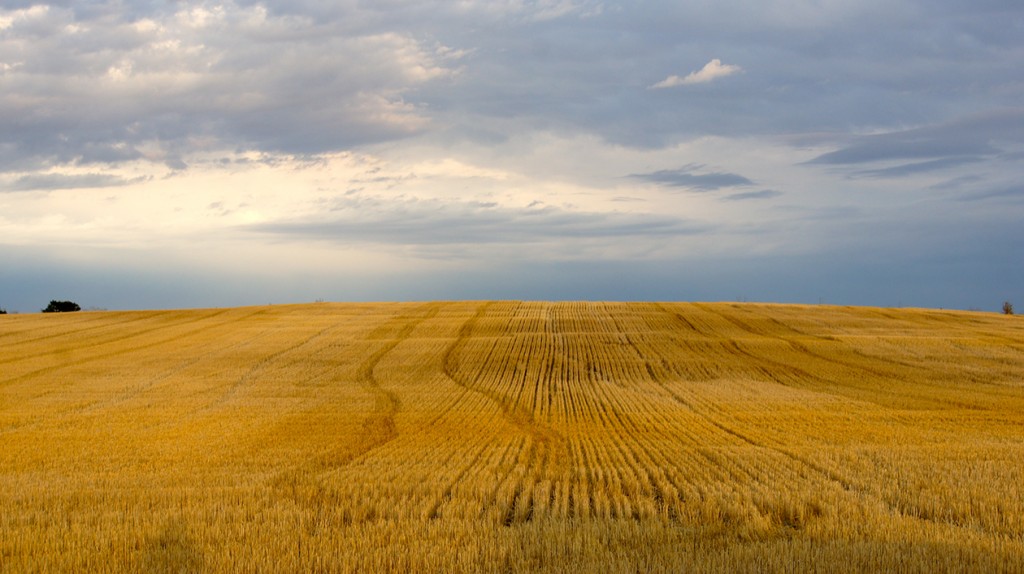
[684,178]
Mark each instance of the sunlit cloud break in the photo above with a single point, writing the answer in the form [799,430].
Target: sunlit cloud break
[710,72]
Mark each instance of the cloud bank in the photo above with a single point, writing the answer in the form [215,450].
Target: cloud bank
[100,85]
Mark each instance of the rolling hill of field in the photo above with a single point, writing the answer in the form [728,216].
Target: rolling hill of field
[510,436]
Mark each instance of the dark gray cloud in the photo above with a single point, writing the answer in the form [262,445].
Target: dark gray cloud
[425,223]
[51,182]
[959,182]
[971,137]
[684,177]
[763,194]
[909,169]
[1013,191]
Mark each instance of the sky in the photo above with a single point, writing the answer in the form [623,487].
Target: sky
[166,154]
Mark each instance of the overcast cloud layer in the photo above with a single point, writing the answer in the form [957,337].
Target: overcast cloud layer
[180,154]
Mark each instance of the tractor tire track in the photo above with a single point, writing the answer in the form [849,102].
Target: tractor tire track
[543,452]
[518,416]
[378,428]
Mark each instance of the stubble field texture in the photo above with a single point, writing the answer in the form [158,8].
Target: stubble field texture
[512,436]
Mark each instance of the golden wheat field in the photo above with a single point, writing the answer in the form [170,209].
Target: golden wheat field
[511,436]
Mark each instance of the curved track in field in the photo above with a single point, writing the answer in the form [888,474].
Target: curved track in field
[545,448]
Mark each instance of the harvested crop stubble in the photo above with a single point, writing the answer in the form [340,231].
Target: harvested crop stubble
[495,436]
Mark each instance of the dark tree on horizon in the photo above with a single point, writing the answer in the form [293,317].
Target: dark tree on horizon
[61,307]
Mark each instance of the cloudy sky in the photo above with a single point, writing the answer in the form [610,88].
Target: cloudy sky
[161,153]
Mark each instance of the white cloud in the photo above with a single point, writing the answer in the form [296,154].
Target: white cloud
[710,72]
[8,18]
